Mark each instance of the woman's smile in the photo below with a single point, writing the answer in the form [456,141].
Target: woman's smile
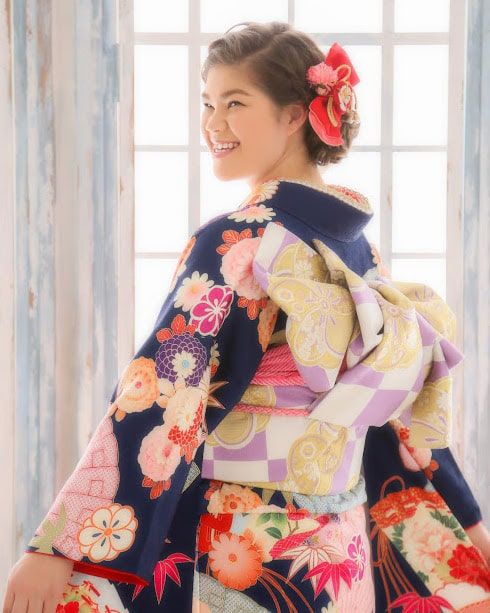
[224,152]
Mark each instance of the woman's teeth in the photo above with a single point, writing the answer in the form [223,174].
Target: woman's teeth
[226,146]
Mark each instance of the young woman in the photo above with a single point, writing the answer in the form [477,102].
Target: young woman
[289,395]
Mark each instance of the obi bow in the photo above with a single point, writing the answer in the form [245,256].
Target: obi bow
[394,339]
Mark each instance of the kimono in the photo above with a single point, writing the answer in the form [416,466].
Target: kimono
[280,442]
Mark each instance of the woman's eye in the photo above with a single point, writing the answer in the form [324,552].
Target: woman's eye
[206,104]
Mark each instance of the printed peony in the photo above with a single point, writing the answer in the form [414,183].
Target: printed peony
[182,408]
[428,543]
[237,270]
[158,456]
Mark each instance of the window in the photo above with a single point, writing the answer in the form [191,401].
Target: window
[409,56]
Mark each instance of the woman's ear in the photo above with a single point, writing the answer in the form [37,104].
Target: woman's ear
[297,115]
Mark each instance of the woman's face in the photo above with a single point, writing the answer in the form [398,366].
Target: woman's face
[267,136]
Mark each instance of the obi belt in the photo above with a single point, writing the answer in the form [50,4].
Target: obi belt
[356,352]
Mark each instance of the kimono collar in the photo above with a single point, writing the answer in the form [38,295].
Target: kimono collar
[335,211]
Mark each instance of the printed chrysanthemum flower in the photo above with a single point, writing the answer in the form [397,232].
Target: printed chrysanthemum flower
[255,212]
[191,290]
[181,356]
[235,561]
[264,191]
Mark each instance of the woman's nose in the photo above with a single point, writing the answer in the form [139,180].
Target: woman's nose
[214,121]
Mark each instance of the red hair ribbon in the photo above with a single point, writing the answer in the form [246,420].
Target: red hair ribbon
[333,80]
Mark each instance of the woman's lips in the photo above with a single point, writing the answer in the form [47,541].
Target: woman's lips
[223,153]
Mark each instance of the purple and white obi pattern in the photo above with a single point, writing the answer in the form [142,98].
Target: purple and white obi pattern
[358,352]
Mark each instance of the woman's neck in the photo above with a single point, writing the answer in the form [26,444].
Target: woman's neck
[311,176]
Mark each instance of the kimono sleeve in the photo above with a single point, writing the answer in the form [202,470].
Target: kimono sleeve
[114,512]
[447,478]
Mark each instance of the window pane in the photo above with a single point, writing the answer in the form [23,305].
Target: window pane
[161,115]
[161,201]
[347,16]
[152,282]
[366,59]
[158,16]
[421,16]
[420,95]
[359,171]
[218,196]
[419,201]
[431,271]
[219,15]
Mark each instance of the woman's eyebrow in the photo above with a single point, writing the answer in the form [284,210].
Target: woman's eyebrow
[228,92]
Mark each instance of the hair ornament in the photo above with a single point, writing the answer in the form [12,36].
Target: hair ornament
[333,80]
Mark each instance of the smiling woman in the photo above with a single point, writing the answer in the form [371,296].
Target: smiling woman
[280,441]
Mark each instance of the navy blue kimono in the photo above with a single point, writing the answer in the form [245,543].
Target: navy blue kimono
[131,508]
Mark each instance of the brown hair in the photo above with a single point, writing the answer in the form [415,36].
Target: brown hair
[278,57]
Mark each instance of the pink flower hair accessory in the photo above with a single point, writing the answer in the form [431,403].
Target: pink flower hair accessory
[333,80]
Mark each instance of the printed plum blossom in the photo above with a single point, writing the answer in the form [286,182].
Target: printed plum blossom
[108,532]
[356,552]
[191,290]
[212,309]
[235,561]
[158,458]
[253,213]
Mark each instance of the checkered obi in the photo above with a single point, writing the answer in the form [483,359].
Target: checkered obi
[359,351]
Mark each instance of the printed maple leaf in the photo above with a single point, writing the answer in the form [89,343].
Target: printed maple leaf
[163,569]
[415,603]
[336,571]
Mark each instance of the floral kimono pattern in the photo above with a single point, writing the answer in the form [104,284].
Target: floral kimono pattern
[144,513]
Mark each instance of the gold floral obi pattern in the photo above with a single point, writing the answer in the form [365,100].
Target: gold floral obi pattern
[360,351]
